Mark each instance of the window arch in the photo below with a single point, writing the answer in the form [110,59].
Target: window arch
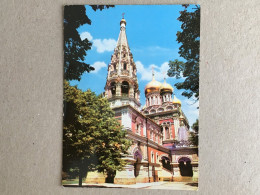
[160,110]
[138,128]
[125,66]
[152,157]
[113,88]
[152,111]
[167,132]
[169,108]
[125,88]
[157,157]
[151,135]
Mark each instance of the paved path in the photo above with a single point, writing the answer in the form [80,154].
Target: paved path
[153,185]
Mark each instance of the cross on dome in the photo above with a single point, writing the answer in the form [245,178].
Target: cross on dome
[164,76]
[153,72]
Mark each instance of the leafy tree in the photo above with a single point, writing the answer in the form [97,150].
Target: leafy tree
[194,136]
[75,48]
[189,38]
[92,138]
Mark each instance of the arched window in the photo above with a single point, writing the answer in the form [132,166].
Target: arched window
[113,88]
[114,66]
[152,111]
[125,66]
[169,108]
[160,110]
[152,157]
[157,157]
[138,128]
[151,135]
[167,132]
[125,88]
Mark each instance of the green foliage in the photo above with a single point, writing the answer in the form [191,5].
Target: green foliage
[75,48]
[189,38]
[194,136]
[195,126]
[92,138]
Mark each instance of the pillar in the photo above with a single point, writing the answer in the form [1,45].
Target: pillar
[143,175]
[164,135]
[118,89]
[131,91]
[126,176]
[95,177]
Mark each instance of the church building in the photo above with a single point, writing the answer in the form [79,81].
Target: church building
[159,131]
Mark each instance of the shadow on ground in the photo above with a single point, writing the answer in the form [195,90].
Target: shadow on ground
[88,186]
[192,184]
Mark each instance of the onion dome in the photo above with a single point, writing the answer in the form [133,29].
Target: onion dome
[152,86]
[165,87]
[176,100]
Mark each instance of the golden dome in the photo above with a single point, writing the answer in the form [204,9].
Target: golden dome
[153,86]
[122,21]
[166,87]
[176,100]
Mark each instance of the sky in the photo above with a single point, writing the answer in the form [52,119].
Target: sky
[151,33]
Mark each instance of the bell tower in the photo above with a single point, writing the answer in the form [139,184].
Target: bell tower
[122,85]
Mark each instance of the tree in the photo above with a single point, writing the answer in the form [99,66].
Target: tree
[189,38]
[194,136]
[75,48]
[92,138]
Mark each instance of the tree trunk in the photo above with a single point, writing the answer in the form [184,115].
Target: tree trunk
[80,175]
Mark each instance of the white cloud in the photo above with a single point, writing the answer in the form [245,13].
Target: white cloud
[146,72]
[101,45]
[98,65]
[85,35]
[104,45]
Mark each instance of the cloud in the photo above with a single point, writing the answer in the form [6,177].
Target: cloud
[85,35]
[146,72]
[101,45]
[98,65]
[104,45]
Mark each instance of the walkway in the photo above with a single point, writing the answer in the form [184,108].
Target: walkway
[153,185]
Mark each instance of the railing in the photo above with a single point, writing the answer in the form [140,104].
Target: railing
[112,73]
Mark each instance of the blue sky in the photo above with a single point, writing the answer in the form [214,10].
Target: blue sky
[151,33]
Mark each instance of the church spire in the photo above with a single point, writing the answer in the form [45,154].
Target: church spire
[122,40]
[122,84]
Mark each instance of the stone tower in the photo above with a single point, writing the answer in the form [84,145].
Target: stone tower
[122,85]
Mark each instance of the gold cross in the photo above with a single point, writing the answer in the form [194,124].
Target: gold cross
[164,75]
[153,72]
